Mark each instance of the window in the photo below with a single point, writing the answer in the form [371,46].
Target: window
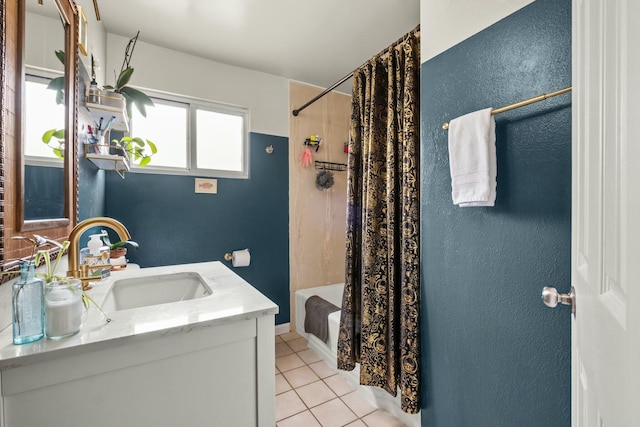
[194,137]
[41,113]
[165,125]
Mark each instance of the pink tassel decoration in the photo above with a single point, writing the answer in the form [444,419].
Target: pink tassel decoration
[306,159]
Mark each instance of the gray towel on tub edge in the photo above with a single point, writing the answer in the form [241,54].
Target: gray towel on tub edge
[316,320]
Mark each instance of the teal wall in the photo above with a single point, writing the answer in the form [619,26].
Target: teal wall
[493,354]
[43,192]
[91,180]
[173,225]
[92,188]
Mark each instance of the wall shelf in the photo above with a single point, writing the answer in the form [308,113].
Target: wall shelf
[331,166]
[109,162]
[105,112]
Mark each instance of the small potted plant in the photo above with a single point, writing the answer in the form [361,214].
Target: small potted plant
[131,96]
[118,249]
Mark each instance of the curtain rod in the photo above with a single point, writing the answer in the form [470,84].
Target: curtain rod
[542,97]
[348,76]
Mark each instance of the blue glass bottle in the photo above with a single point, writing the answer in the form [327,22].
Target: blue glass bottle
[28,309]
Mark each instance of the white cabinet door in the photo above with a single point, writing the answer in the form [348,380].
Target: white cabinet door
[606,213]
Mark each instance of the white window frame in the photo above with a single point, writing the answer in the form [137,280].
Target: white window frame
[191,144]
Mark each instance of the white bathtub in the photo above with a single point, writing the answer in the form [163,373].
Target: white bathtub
[328,351]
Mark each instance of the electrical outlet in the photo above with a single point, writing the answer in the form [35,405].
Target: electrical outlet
[209,186]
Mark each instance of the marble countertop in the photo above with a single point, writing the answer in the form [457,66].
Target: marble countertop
[232,299]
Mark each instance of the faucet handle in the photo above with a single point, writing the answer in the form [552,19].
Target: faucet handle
[84,275]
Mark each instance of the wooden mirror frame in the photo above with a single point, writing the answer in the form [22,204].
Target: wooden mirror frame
[12,222]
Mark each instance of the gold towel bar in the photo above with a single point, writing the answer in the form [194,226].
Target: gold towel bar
[523,103]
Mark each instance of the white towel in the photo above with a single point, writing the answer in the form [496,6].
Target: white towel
[472,159]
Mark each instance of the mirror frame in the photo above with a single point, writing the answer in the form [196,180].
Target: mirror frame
[12,222]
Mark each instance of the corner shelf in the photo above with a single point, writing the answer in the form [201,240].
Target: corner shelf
[109,162]
[101,114]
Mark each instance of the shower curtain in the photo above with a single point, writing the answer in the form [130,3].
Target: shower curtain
[379,323]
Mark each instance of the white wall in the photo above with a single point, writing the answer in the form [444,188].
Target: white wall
[97,41]
[158,68]
[43,36]
[443,24]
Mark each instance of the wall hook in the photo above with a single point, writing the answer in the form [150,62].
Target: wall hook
[313,141]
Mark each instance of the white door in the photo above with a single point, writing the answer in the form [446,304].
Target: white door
[606,213]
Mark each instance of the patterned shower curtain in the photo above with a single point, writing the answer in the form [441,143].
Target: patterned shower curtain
[379,323]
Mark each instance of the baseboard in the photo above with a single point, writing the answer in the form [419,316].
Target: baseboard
[282,328]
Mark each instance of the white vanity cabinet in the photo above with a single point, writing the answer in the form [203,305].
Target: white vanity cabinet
[213,367]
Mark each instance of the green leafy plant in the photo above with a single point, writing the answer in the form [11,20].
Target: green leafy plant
[39,242]
[36,242]
[122,243]
[54,138]
[49,274]
[139,150]
[119,243]
[132,96]
[136,148]
[57,83]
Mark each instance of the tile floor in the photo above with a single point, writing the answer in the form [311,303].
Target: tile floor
[309,393]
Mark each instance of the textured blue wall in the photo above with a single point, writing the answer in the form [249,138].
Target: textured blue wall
[43,192]
[91,180]
[91,186]
[493,354]
[173,225]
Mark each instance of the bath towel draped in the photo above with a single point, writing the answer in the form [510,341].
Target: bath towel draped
[316,319]
[379,323]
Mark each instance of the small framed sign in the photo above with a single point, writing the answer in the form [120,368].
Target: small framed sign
[83,32]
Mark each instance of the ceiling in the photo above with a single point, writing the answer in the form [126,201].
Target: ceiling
[312,42]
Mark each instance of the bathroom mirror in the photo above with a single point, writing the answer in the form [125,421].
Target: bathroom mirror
[43,109]
[14,221]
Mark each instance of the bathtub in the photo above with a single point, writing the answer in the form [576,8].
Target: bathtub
[328,351]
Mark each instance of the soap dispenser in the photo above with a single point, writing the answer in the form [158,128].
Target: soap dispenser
[96,253]
[95,244]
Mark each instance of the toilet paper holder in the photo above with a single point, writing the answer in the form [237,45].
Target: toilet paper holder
[229,256]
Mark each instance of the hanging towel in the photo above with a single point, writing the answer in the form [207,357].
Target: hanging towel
[472,159]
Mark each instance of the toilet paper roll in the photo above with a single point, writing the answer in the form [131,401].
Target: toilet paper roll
[241,258]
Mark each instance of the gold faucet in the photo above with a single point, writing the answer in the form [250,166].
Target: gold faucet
[74,244]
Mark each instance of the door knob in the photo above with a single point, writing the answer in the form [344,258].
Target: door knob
[551,298]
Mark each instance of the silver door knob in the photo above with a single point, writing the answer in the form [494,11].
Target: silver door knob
[551,298]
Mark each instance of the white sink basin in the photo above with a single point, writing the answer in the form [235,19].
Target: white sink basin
[136,292]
